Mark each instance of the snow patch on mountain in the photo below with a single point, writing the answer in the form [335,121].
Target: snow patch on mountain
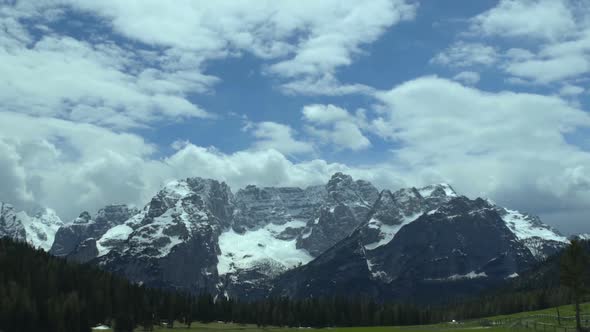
[176,189]
[456,277]
[115,234]
[429,190]
[387,232]
[38,230]
[524,227]
[41,228]
[259,246]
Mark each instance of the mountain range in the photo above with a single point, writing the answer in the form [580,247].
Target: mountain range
[339,239]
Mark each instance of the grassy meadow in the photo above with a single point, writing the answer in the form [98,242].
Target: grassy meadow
[524,321]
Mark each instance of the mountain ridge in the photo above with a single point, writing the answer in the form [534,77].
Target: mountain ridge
[195,234]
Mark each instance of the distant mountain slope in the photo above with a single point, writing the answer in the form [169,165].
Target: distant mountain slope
[459,248]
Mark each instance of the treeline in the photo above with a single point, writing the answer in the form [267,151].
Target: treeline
[39,292]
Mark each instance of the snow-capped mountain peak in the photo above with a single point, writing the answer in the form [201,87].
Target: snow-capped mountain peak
[38,230]
[179,210]
[83,218]
[437,190]
[539,238]
[392,211]
[194,233]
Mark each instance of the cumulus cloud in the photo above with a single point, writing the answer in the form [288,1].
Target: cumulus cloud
[272,135]
[467,77]
[547,70]
[73,167]
[12,176]
[305,40]
[325,85]
[542,19]
[542,41]
[571,90]
[508,146]
[335,125]
[101,82]
[462,54]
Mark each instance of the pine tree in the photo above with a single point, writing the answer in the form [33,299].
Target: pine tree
[575,275]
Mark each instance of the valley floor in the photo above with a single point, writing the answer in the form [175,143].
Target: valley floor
[542,320]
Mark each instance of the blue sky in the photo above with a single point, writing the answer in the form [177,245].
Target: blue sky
[103,102]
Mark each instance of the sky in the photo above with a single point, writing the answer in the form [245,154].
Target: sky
[105,101]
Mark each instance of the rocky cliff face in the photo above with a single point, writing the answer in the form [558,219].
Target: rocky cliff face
[85,228]
[347,205]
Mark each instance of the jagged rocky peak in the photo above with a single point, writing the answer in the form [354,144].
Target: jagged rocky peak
[257,207]
[343,189]
[83,218]
[38,230]
[115,214]
[391,208]
[541,239]
[180,211]
[460,205]
[394,210]
[69,236]
[437,194]
[196,194]
[10,226]
[347,205]
[583,237]
[174,240]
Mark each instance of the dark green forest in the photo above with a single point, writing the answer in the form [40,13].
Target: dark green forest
[39,292]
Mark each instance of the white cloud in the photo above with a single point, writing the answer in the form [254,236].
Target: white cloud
[462,54]
[302,38]
[509,146]
[106,83]
[519,54]
[550,70]
[337,32]
[12,176]
[72,79]
[544,19]
[68,165]
[552,39]
[326,85]
[467,77]
[325,114]
[272,135]
[571,90]
[73,167]
[335,125]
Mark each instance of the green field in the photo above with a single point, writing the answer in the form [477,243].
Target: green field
[542,320]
